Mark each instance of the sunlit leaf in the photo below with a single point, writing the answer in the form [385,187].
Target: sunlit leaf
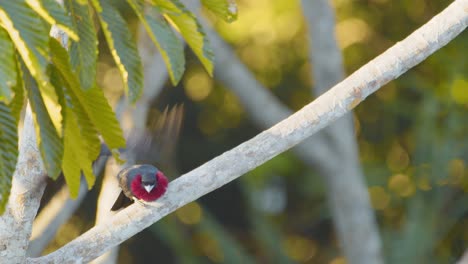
[52,12]
[170,46]
[122,47]
[226,9]
[92,109]
[16,104]
[28,33]
[7,67]
[50,144]
[8,152]
[32,43]
[75,158]
[84,52]
[190,29]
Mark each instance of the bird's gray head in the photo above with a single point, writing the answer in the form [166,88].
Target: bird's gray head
[148,178]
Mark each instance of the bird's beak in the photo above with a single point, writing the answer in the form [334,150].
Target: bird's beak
[148,188]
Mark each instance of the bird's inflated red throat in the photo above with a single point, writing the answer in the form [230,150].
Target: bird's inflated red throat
[140,182]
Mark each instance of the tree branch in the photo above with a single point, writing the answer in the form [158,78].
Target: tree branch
[57,211]
[347,191]
[29,181]
[327,108]
[464,258]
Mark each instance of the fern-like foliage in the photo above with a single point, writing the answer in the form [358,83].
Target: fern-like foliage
[69,110]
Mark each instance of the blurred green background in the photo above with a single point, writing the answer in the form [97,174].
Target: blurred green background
[412,135]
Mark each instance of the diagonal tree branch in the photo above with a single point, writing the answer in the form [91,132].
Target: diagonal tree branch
[327,108]
[347,192]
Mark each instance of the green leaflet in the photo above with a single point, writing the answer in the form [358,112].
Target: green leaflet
[16,104]
[75,158]
[122,47]
[8,152]
[91,108]
[50,144]
[52,12]
[31,42]
[83,53]
[8,71]
[226,9]
[190,29]
[170,46]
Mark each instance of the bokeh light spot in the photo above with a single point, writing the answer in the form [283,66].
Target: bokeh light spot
[190,214]
[198,85]
[424,184]
[402,185]
[300,248]
[397,158]
[351,31]
[459,91]
[209,247]
[456,170]
[339,260]
[379,197]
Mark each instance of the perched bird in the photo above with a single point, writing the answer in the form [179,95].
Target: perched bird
[141,182]
[155,144]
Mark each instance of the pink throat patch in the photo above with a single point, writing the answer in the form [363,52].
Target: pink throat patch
[158,191]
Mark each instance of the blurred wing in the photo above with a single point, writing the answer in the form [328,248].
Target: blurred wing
[157,144]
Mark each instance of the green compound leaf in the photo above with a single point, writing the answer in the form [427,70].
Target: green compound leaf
[190,29]
[226,9]
[170,46]
[75,157]
[91,108]
[8,73]
[52,12]
[122,47]
[8,152]
[83,53]
[50,144]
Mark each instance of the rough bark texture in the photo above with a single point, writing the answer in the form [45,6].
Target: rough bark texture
[27,188]
[57,212]
[289,132]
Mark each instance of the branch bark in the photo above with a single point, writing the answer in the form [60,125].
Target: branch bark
[29,181]
[57,212]
[327,108]
[464,258]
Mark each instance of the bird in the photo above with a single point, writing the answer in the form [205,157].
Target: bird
[142,182]
[154,145]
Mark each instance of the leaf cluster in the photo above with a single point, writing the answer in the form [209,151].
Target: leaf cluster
[56,74]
